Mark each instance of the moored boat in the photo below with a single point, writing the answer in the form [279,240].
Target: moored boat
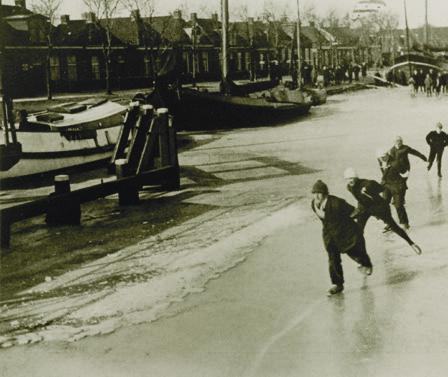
[66,136]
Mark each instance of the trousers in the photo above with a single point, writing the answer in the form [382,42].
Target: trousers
[384,215]
[358,253]
[433,154]
[398,200]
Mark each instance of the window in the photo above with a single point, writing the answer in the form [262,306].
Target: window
[205,61]
[187,61]
[72,71]
[239,61]
[248,62]
[55,68]
[148,68]
[95,65]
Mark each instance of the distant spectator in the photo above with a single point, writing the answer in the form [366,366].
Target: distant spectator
[428,85]
[364,69]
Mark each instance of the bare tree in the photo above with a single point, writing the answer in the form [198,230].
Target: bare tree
[309,13]
[331,19]
[49,9]
[146,9]
[105,11]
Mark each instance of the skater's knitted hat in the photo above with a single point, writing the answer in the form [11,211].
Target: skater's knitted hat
[320,187]
[439,125]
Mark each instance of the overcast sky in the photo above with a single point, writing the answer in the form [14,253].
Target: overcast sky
[438,9]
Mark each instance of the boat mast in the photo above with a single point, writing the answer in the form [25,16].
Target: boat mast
[225,41]
[407,36]
[299,60]
[426,24]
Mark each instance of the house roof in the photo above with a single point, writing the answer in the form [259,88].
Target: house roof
[11,36]
[209,31]
[12,10]
[169,28]
[81,33]
[344,36]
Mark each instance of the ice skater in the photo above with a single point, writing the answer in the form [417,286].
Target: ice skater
[341,234]
[400,153]
[437,141]
[370,203]
[394,188]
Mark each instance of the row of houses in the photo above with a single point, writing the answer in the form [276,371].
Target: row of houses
[73,53]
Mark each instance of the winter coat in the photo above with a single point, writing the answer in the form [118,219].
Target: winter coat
[339,228]
[401,156]
[367,193]
[392,179]
[438,141]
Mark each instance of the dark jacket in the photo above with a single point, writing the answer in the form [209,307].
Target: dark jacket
[401,156]
[338,227]
[438,141]
[392,179]
[370,201]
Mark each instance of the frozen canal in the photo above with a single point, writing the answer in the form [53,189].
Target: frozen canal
[254,262]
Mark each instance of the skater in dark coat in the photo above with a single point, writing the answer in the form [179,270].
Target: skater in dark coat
[400,153]
[437,141]
[394,188]
[340,233]
[370,203]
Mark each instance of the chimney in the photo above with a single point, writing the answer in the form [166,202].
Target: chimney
[194,17]
[177,14]
[215,17]
[65,18]
[89,17]
[312,24]
[20,3]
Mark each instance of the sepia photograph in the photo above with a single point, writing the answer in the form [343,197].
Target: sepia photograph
[223,188]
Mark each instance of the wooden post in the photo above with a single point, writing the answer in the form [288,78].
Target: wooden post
[138,138]
[70,212]
[127,195]
[123,138]
[174,160]
[164,150]
[5,235]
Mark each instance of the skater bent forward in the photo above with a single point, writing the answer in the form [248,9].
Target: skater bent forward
[340,234]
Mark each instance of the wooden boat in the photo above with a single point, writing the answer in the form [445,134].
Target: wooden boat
[203,110]
[67,136]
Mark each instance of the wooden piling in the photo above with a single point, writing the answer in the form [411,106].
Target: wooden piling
[164,150]
[69,213]
[128,194]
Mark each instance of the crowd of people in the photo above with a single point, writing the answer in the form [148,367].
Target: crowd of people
[343,224]
[324,76]
[430,82]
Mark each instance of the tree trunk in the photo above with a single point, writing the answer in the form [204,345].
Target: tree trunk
[48,75]
[107,66]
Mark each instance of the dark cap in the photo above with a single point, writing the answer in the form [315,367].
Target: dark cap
[320,187]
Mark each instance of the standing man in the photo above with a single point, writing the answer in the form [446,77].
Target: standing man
[400,153]
[371,203]
[437,141]
[340,234]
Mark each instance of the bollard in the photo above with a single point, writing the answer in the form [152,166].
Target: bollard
[127,195]
[61,184]
[164,148]
[69,211]
[5,236]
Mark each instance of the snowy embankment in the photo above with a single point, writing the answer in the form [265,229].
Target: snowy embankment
[152,274]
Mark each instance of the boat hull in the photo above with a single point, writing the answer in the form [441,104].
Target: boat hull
[48,152]
[201,111]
